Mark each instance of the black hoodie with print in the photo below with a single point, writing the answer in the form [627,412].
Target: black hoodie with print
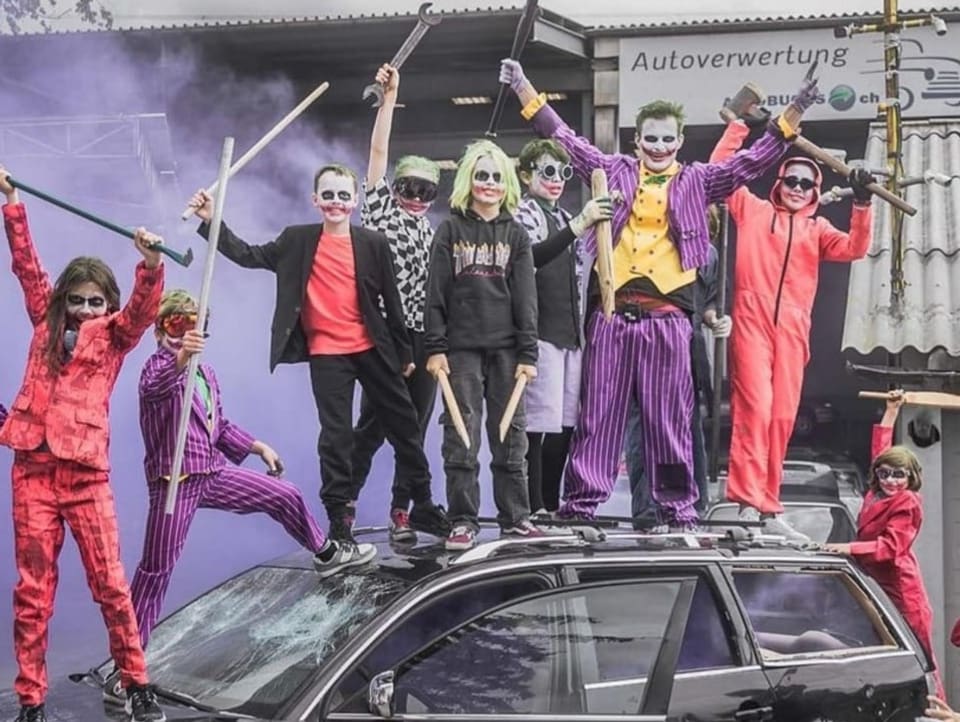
[481,292]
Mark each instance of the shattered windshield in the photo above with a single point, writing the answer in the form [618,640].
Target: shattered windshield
[247,645]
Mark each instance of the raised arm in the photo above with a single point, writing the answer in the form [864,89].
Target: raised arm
[730,142]
[389,78]
[142,307]
[882,437]
[835,245]
[26,263]
[265,256]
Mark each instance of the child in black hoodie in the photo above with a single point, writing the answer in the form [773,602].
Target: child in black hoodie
[481,330]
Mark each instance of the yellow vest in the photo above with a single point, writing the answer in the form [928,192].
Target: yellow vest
[645,248]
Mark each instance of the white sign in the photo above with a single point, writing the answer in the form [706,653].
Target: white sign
[701,71]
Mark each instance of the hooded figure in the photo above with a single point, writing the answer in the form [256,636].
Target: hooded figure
[780,244]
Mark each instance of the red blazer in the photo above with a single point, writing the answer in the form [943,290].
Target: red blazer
[886,530]
[70,409]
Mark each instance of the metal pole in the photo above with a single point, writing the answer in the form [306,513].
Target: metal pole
[891,62]
[719,345]
[226,155]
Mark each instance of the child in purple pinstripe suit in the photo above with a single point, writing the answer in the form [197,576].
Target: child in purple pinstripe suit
[211,478]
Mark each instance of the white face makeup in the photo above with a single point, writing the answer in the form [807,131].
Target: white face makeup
[335,197]
[890,484]
[85,301]
[658,143]
[488,185]
[802,179]
[548,178]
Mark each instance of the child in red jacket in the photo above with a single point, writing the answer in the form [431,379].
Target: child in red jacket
[888,525]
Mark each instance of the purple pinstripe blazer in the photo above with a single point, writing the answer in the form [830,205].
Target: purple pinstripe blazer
[161,398]
[688,195]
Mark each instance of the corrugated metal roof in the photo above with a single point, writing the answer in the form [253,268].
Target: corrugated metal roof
[930,316]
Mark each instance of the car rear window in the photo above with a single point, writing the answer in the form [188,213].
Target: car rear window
[248,644]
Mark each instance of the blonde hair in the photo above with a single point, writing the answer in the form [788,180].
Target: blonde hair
[463,182]
[899,457]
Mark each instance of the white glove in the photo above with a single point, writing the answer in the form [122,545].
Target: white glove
[721,326]
[511,73]
[596,210]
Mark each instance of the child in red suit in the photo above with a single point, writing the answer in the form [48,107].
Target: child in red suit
[888,525]
[59,431]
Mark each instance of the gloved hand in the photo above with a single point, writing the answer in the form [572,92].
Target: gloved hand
[721,326]
[596,210]
[859,179]
[807,94]
[511,72]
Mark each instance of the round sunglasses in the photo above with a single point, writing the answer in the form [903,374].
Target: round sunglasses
[555,171]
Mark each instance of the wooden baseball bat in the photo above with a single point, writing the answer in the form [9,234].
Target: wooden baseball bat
[262,143]
[512,404]
[453,408]
[919,398]
[604,231]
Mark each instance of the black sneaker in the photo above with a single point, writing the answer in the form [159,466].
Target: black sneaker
[345,555]
[113,691]
[142,705]
[341,529]
[33,713]
[430,519]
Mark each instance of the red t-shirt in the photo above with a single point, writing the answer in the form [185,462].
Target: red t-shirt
[331,315]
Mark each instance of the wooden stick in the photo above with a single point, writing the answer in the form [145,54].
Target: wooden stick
[604,231]
[261,144]
[919,398]
[212,242]
[512,404]
[453,408]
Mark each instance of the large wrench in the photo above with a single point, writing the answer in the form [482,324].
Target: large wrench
[424,23]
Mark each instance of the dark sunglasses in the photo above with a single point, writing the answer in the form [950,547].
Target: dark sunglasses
[175,325]
[75,299]
[345,196]
[415,189]
[482,176]
[792,181]
[554,171]
[884,474]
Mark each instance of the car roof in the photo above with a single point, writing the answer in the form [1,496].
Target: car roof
[606,538]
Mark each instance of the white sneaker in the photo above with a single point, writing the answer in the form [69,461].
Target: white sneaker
[346,555]
[778,525]
[748,513]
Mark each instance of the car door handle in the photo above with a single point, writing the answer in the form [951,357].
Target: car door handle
[754,714]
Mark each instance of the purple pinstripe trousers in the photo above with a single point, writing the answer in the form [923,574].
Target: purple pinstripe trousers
[649,358]
[234,489]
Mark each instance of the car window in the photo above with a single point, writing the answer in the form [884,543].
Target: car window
[431,621]
[823,524]
[249,644]
[581,651]
[706,639]
[809,611]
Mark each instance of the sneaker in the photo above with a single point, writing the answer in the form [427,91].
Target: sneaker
[460,538]
[345,555]
[523,530]
[341,529]
[748,513]
[142,705]
[32,713]
[113,691]
[400,531]
[431,519]
[777,525]
[653,529]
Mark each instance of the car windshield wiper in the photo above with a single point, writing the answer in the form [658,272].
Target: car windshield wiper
[169,695]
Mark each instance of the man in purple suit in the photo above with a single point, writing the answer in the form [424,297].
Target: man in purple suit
[211,479]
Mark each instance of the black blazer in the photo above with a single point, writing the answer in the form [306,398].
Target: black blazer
[291,256]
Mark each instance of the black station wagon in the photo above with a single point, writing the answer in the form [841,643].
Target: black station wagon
[589,626]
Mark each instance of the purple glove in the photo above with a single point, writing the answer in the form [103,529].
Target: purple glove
[511,73]
[3,414]
[807,95]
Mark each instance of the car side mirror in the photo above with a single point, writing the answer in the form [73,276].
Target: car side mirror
[380,695]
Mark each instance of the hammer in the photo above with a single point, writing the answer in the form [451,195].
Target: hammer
[745,104]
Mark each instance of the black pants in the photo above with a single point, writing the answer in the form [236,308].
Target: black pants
[369,434]
[546,460]
[333,379]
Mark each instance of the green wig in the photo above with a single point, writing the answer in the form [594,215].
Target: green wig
[661,109]
[174,301]
[463,182]
[532,151]
[419,166]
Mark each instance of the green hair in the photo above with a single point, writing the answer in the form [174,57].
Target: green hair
[175,300]
[418,165]
[463,182]
[539,147]
[661,109]
[336,169]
